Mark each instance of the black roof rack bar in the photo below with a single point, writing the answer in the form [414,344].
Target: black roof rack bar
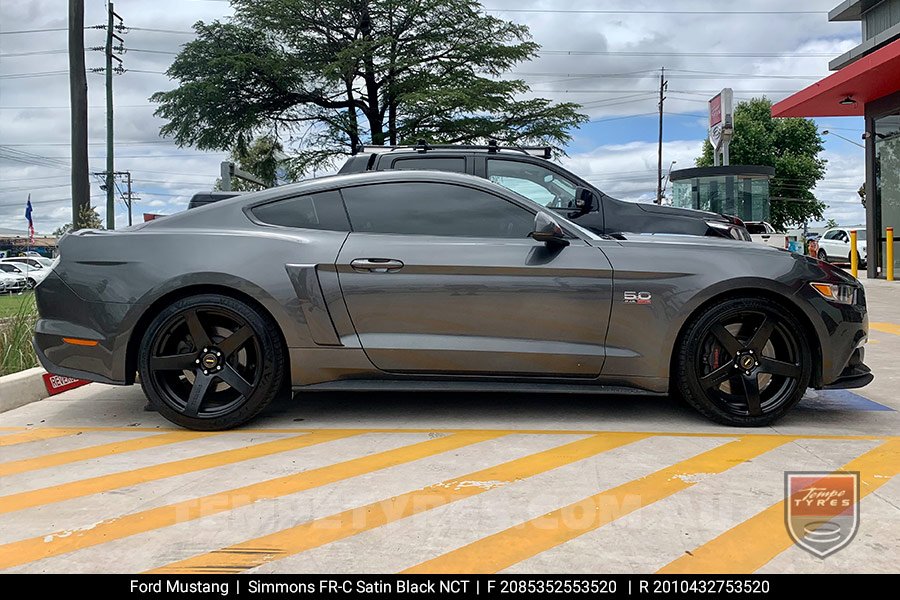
[491,146]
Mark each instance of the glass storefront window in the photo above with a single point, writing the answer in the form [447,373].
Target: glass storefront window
[746,198]
[887,178]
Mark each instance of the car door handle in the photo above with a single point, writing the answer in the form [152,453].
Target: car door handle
[378,265]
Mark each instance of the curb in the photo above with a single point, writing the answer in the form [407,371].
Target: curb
[22,388]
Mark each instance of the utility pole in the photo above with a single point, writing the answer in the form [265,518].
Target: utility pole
[81,187]
[128,198]
[131,198]
[659,171]
[110,150]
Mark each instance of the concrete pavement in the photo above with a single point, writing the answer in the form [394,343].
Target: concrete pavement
[89,482]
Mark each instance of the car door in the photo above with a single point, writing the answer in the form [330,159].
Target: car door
[839,245]
[442,278]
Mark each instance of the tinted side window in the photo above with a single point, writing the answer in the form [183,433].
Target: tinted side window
[435,209]
[756,228]
[452,164]
[533,181]
[313,211]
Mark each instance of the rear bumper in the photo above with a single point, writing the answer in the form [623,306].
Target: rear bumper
[64,315]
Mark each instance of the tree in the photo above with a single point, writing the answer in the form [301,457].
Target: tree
[831,224]
[88,218]
[862,194]
[263,157]
[331,74]
[791,146]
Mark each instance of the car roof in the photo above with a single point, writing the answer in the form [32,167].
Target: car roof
[331,182]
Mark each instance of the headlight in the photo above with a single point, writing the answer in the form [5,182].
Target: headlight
[836,292]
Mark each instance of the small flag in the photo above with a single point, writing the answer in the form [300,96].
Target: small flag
[30,222]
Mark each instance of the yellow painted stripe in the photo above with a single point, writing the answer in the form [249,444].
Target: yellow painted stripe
[515,544]
[886,327]
[34,435]
[104,483]
[36,548]
[70,456]
[750,545]
[319,532]
[498,432]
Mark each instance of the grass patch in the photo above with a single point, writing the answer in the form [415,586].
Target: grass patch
[10,304]
[18,315]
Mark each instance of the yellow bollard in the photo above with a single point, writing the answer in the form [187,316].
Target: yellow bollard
[889,254]
[854,255]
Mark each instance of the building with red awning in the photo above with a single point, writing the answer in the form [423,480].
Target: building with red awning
[866,83]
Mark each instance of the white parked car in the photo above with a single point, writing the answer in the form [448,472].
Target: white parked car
[33,276]
[13,283]
[834,246]
[763,233]
[38,262]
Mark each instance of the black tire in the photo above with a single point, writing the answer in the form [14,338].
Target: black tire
[822,255]
[195,377]
[733,344]
[30,283]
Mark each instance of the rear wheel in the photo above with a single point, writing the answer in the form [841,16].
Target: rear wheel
[744,362]
[211,362]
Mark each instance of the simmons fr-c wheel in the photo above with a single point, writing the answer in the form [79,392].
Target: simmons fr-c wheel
[211,362]
[743,362]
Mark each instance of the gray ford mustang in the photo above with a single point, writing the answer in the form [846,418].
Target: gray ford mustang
[434,281]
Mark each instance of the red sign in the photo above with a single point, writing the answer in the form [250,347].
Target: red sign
[715,111]
[57,384]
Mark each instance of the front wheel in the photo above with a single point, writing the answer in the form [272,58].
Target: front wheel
[211,362]
[743,362]
[823,256]
[30,284]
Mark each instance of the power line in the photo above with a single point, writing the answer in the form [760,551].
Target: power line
[694,54]
[32,53]
[151,51]
[591,11]
[33,30]
[161,30]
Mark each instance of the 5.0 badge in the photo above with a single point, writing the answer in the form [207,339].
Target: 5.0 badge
[638,298]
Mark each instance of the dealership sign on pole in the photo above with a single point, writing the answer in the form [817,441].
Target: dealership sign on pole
[721,124]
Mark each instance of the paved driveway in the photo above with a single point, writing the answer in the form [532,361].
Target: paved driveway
[90,482]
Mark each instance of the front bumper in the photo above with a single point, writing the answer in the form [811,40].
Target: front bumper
[855,375]
[842,330]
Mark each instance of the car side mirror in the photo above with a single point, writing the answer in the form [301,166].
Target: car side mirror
[584,199]
[547,230]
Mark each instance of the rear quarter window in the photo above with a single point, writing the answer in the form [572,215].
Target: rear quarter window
[324,211]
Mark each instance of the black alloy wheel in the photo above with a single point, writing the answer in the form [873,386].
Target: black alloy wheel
[744,362]
[211,362]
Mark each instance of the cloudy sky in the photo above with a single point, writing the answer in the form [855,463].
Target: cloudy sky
[606,57]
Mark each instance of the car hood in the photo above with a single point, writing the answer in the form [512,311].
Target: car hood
[663,239]
[684,212]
